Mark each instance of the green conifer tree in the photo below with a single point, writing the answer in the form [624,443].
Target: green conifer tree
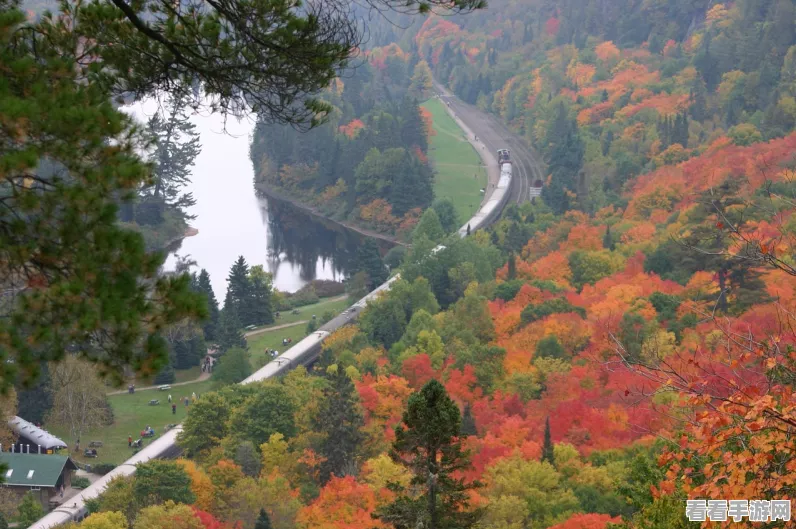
[608,239]
[468,423]
[263,521]
[547,448]
[210,326]
[340,419]
[428,443]
[229,332]
[512,273]
[369,261]
[239,291]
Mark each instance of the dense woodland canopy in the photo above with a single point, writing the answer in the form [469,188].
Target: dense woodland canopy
[592,359]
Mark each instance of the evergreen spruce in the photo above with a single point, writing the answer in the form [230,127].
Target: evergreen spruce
[340,419]
[259,302]
[428,443]
[468,423]
[229,332]
[239,292]
[547,448]
[608,239]
[369,261]
[176,148]
[565,160]
[512,272]
[263,521]
[210,326]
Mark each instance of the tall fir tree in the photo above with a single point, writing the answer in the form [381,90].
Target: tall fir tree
[369,261]
[340,418]
[512,272]
[468,423]
[229,331]
[263,521]
[413,129]
[565,156]
[547,447]
[259,303]
[210,326]
[239,291]
[428,443]
[608,239]
[177,145]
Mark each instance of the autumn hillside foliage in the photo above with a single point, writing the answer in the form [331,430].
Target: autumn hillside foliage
[622,344]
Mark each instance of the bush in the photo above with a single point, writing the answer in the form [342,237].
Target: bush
[80,482]
[305,296]
[166,376]
[508,290]
[102,468]
[325,288]
[312,326]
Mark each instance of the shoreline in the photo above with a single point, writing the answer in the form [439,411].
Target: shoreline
[275,194]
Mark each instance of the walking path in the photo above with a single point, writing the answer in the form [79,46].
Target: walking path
[204,376]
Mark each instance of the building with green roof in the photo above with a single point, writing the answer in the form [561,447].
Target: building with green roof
[42,474]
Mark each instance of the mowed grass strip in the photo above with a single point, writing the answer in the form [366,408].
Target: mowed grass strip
[459,173]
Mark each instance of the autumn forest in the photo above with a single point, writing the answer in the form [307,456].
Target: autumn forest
[591,360]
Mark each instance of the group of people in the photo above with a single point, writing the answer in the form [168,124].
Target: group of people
[207,365]
[186,400]
[273,353]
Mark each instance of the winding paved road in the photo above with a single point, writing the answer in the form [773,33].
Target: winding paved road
[526,167]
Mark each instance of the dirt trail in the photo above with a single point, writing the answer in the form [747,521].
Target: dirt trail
[274,328]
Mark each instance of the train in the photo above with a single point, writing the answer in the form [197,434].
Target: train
[303,353]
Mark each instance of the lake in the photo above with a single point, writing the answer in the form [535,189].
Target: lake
[295,247]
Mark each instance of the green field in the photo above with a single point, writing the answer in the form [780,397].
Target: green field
[455,163]
[132,413]
[335,304]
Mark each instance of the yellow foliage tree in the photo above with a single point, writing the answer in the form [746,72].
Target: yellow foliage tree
[381,470]
[105,520]
[170,515]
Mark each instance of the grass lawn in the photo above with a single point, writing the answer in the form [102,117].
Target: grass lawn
[132,414]
[455,162]
[305,313]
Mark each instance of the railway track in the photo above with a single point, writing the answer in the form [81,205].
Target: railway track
[495,135]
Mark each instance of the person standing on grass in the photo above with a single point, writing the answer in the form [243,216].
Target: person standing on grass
[174,409]
[129,440]
[169,398]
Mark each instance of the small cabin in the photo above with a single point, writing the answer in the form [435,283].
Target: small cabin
[42,474]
